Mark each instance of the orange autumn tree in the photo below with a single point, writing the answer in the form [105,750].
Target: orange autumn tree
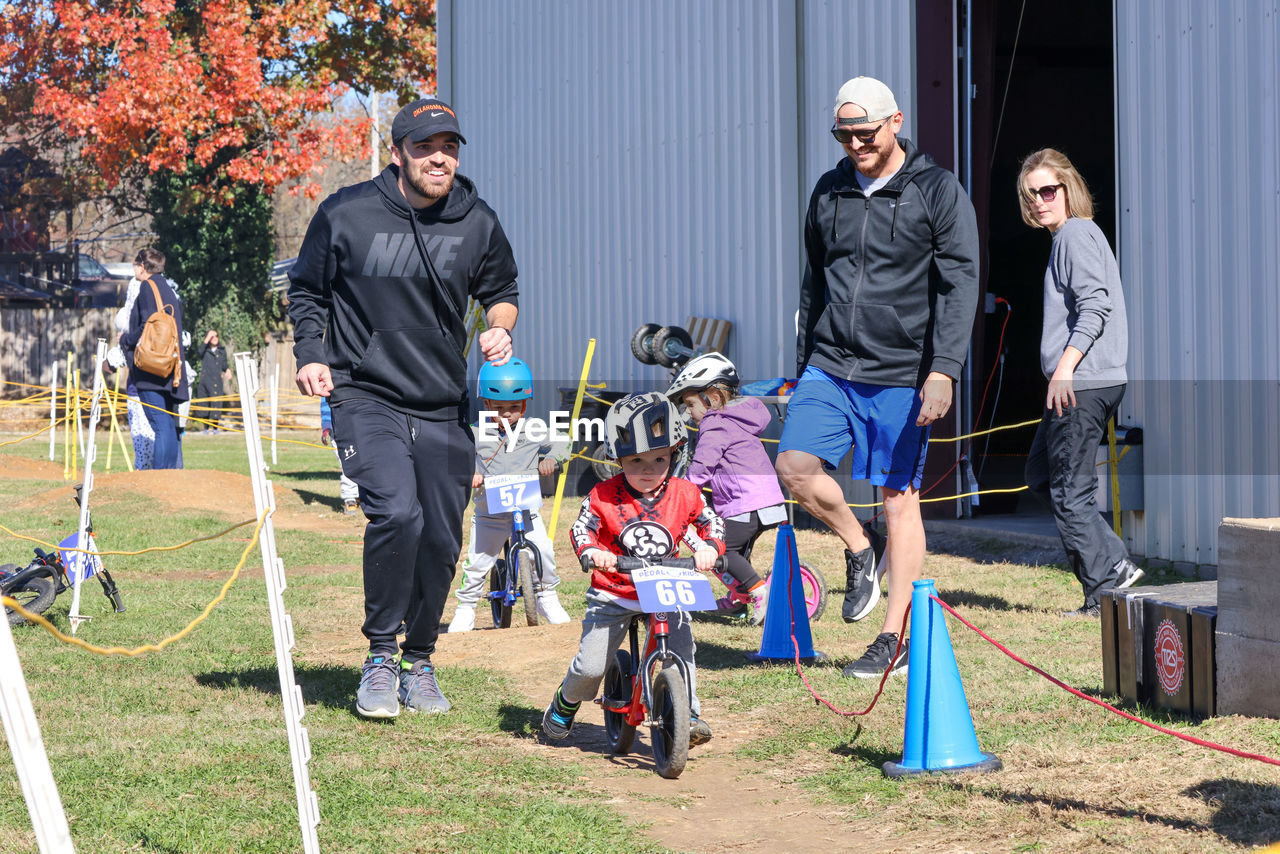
[134,87]
[195,111]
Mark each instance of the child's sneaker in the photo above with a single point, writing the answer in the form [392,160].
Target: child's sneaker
[376,697]
[350,507]
[464,619]
[759,603]
[699,731]
[419,691]
[549,607]
[557,720]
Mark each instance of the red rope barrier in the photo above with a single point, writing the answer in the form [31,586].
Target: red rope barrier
[795,645]
[1199,741]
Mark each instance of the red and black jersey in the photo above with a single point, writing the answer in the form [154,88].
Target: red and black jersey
[617,519]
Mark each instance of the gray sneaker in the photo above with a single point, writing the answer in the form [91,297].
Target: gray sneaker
[419,691]
[862,584]
[376,697]
[1128,573]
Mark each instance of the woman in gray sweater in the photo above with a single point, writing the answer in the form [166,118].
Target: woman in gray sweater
[1083,348]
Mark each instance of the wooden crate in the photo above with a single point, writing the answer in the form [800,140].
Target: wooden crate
[1158,646]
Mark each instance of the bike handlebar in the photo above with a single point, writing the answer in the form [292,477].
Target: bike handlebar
[626,563]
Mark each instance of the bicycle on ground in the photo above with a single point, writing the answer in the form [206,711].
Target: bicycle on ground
[39,583]
[517,575]
[653,689]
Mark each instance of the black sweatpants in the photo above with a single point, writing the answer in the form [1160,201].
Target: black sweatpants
[415,480]
[1062,471]
[739,537]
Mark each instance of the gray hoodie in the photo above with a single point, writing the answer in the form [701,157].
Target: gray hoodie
[1084,306]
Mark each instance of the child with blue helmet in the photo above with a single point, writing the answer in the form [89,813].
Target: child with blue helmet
[504,392]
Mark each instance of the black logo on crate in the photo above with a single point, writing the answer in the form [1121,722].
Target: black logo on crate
[1171,659]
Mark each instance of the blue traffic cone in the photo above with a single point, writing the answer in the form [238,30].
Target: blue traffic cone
[939,734]
[785,586]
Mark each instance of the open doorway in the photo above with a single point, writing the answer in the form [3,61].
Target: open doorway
[1051,85]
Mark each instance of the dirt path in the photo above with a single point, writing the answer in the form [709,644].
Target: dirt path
[723,802]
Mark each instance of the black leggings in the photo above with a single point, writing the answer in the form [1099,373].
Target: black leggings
[739,537]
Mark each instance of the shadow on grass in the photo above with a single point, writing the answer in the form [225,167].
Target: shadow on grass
[1248,813]
[322,685]
[967,785]
[520,721]
[870,756]
[960,598]
[308,475]
[313,498]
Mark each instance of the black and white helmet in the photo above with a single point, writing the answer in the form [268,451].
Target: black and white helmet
[642,422]
[701,373]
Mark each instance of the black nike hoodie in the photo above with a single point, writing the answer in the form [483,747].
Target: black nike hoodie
[363,303]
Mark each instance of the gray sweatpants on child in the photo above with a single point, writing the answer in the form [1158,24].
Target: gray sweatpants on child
[488,533]
[604,629]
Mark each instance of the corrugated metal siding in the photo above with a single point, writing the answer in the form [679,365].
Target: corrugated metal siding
[1199,176]
[651,161]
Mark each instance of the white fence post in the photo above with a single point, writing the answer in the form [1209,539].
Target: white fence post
[281,624]
[23,731]
[80,562]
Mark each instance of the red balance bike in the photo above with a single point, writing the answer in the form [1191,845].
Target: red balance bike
[653,689]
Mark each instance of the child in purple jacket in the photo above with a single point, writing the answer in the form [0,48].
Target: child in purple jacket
[730,457]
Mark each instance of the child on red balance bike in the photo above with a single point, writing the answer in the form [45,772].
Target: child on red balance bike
[643,512]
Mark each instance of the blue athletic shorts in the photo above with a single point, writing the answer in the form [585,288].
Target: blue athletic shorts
[826,415]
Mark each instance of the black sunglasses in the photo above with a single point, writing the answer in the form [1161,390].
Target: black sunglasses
[846,135]
[1047,193]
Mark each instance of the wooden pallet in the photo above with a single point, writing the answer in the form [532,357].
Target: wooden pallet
[710,334]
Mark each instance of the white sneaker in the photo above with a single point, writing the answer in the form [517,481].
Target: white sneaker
[549,607]
[759,603]
[464,619]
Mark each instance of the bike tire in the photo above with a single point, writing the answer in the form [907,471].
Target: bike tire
[665,356]
[617,692]
[35,594]
[528,565]
[498,583]
[670,736]
[815,591]
[642,343]
[600,465]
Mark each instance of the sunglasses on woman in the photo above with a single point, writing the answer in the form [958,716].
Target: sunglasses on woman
[846,135]
[1047,193]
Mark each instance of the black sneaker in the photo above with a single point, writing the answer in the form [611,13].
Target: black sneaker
[557,720]
[699,731]
[1128,573]
[862,590]
[878,658]
[1085,611]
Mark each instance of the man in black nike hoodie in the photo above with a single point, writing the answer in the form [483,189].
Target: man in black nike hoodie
[376,299]
[886,310]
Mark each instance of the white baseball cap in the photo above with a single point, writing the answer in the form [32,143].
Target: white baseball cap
[869,94]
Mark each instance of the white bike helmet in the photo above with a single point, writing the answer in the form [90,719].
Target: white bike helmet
[642,422]
[701,373]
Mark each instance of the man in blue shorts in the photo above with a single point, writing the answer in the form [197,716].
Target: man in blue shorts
[886,308]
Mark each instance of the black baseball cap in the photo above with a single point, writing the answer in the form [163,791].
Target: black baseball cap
[422,118]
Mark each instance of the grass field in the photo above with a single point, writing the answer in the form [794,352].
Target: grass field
[185,750]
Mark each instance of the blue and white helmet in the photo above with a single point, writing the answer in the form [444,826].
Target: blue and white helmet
[512,381]
[642,422]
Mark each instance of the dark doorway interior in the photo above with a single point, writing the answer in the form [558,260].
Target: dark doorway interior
[1059,71]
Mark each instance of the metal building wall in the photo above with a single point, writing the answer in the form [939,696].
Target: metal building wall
[652,161]
[1199,235]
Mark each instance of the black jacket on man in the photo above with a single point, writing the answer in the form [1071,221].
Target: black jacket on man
[891,281]
[363,303]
